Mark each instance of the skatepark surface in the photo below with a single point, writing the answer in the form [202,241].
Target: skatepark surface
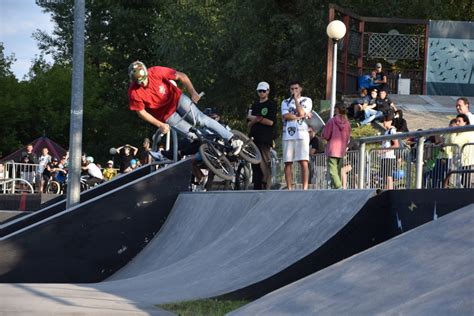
[211,244]
[427,271]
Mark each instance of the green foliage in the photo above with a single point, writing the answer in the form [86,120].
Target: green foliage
[363,131]
[225,47]
[208,307]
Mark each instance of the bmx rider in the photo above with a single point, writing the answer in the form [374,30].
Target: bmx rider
[159,102]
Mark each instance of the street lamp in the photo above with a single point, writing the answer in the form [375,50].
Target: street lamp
[335,30]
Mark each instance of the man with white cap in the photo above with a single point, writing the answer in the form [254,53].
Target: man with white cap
[109,171]
[261,120]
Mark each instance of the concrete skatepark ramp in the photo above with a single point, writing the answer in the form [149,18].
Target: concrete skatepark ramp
[427,271]
[58,204]
[92,240]
[198,254]
[241,245]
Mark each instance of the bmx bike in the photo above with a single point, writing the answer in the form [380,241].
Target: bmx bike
[216,152]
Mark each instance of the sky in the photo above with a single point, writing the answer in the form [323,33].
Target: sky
[18,20]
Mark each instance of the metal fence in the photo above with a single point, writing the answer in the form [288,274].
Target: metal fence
[19,177]
[441,166]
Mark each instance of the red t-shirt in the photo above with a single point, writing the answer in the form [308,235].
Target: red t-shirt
[160,97]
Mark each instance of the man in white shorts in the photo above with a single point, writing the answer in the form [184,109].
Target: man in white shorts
[295,133]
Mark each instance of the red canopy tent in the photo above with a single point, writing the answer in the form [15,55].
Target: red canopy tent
[55,150]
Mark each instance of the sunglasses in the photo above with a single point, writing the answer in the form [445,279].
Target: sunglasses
[261,91]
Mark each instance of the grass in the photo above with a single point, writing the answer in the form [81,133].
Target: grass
[208,307]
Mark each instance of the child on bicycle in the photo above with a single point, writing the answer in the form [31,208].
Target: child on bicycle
[159,102]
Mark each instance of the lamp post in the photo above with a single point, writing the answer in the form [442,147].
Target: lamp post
[77,100]
[335,30]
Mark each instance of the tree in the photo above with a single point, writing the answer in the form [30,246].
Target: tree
[8,114]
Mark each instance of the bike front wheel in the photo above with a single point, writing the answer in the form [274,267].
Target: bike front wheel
[217,162]
[250,151]
[53,187]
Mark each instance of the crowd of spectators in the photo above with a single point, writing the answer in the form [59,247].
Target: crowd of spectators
[299,141]
[40,171]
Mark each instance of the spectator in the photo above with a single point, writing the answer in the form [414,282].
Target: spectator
[356,108]
[380,79]
[388,162]
[133,166]
[370,109]
[65,160]
[61,173]
[463,140]
[261,121]
[295,133]
[95,175]
[125,156]
[27,173]
[399,122]
[32,158]
[63,163]
[462,107]
[384,104]
[317,165]
[316,143]
[83,163]
[109,171]
[57,171]
[43,161]
[48,172]
[144,153]
[443,159]
[350,169]
[337,133]
[159,102]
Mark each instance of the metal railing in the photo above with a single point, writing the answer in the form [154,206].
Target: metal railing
[15,185]
[394,168]
[21,176]
[420,136]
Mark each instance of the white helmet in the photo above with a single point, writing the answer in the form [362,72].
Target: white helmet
[90,159]
[137,72]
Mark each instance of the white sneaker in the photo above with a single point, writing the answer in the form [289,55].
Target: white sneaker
[192,137]
[236,146]
[158,156]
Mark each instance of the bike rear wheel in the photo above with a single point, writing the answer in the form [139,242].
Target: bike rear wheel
[217,162]
[250,151]
[53,187]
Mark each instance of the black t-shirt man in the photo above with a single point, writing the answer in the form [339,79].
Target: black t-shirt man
[31,157]
[383,105]
[379,77]
[263,133]
[124,160]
